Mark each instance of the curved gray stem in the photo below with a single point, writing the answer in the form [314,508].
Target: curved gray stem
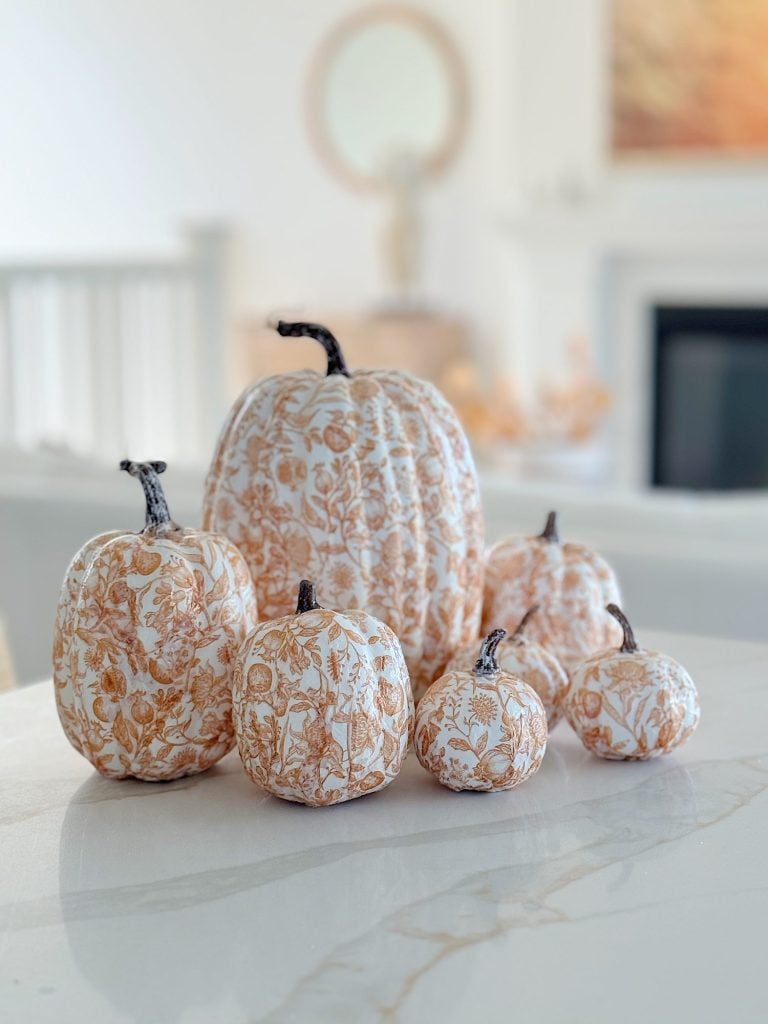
[157,507]
[486,664]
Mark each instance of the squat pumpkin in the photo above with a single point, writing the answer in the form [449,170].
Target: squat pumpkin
[322,704]
[534,664]
[570,583]
[147,628]
[364,480]
[484,730]
[630,704]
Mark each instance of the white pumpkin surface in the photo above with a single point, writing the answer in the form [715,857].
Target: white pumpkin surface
[529,661]
[571,585]
[366,483]
[323,706]
[147,628]
[632,704]
[480,730]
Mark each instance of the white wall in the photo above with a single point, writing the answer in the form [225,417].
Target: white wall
[120,119]
[575,217]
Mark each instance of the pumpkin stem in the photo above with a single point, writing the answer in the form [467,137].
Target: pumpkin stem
[549,533]
[517,635]
[486,664]
[307,597]
[336,364]
[630,645]
[157,507]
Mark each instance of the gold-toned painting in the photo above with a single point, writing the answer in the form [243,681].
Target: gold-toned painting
[690,77]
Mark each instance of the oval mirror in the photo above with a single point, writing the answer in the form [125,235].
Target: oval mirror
[388,88]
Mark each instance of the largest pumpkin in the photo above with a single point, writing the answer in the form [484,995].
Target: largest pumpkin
[364,482]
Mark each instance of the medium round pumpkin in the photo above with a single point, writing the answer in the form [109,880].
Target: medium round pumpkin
[484,729]
[534,664]
[570,584]
[630,704]
[363,480]
[323,706]
[147,629]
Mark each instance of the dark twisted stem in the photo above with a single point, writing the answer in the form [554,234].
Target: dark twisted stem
[147,475]
[630,645]
[336,364]
[486,664]
[307,598]
[524,622]
[549,532]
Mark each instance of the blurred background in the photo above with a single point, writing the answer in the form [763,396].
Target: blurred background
[555,209]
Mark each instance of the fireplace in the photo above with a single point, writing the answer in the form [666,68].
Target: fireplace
[710,384]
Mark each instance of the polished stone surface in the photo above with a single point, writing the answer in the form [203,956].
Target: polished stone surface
[596,892]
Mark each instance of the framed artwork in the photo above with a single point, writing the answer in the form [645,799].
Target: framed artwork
[689,78]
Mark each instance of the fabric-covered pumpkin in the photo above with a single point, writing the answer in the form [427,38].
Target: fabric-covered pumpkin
[147,629]
[484,729]
[362,480]
[323,706]
[630,704]
[534,664]
[569,583]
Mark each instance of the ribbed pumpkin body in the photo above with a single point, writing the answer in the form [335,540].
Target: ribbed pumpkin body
[480,733]
[631,707]
[323,707]
[365,484]
[570,583]
[529,661]
[147,629]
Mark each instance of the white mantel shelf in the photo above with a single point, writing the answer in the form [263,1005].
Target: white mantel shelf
[596,892]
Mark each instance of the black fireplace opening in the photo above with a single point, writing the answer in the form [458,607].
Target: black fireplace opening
[710,423]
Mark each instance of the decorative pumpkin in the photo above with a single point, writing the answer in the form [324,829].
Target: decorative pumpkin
[485,729]
[147,629]
[364,480]
[534,664]
[630,704]
[570,583]
[323,706]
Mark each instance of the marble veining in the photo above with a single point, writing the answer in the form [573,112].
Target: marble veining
[595,892]
[664,808]
[489,904]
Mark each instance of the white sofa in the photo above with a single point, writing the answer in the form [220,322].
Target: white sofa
[697,564]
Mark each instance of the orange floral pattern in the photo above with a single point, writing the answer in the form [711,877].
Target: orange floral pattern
[570,583]
[365,484]
[323,707]
[481,732]
[147,629]
[632,705]
[532,663]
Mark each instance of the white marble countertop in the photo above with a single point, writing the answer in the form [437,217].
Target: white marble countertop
[596,892]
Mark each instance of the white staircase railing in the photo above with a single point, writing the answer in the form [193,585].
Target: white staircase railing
[112,359]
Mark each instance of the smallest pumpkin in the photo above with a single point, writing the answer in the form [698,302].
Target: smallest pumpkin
[322,704]
[529,660]
[481,730]
[630,704]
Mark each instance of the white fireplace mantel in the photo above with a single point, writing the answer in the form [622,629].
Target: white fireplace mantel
[597,267]
[633,283]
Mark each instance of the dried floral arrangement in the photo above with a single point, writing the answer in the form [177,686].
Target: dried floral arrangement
[569,411]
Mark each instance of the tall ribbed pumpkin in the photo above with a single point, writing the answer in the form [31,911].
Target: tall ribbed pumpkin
[364,482]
